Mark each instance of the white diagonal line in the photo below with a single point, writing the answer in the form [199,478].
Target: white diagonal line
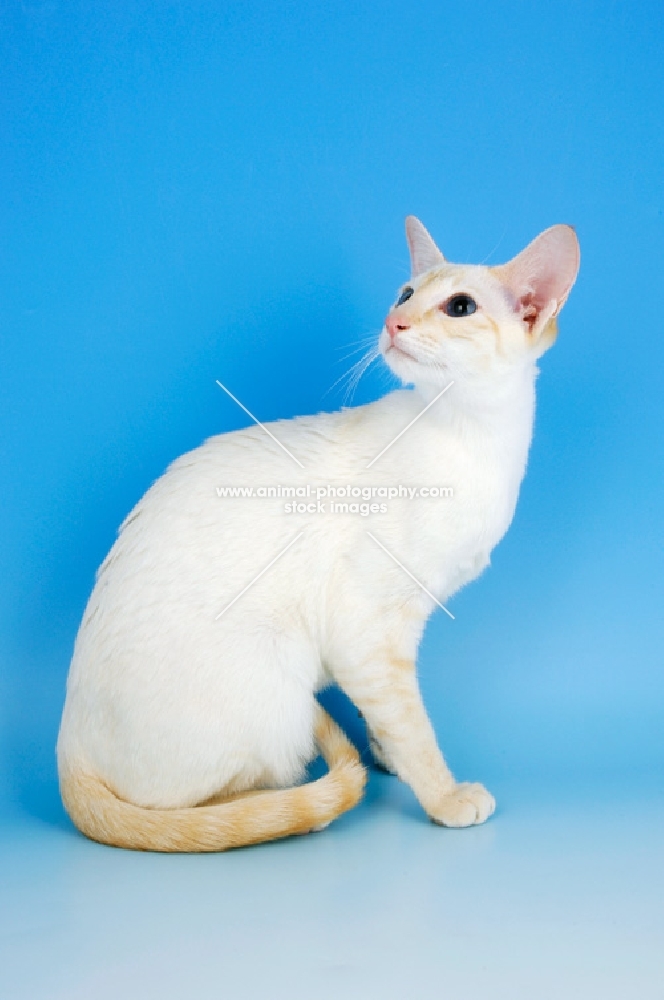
[237,598]
[408,573]
[420,414]
[257,421]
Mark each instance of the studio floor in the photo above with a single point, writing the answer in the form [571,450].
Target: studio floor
[560,895]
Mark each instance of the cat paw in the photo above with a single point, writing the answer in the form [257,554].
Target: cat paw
[465,805]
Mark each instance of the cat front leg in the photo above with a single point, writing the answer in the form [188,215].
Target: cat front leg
[389,698]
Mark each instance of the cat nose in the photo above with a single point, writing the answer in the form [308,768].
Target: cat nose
[395,324]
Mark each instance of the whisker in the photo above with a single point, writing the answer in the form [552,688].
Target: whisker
[492,252]
[356,371]
[360,369]
[362,346]
[369,337]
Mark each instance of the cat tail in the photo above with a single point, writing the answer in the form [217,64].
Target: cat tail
[250,819]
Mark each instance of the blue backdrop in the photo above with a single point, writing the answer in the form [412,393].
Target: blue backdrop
[192,191]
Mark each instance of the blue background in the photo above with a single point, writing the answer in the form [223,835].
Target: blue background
[192,191]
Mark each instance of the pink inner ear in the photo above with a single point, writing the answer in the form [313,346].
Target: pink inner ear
[542,275]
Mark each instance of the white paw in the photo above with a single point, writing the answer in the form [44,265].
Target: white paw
[465,805]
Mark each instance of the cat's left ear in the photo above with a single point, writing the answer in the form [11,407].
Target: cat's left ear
[424,254]
[539,279]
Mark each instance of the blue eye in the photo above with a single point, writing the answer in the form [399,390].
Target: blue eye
[405,295]
[460,305]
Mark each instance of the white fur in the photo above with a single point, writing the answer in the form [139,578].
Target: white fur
[169,705]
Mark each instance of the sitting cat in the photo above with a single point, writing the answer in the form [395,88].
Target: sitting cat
[191,714]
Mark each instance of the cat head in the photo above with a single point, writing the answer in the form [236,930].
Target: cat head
[474,324]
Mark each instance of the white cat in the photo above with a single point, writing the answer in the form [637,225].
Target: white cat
[191,713]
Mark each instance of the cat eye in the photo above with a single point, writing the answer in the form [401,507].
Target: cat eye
[460,305]
[405,295]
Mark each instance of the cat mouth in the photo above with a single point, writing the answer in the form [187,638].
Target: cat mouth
[396,348]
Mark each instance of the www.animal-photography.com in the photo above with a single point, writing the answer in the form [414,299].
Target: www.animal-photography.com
[331,641]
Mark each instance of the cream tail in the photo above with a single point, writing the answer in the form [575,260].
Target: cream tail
[246,819]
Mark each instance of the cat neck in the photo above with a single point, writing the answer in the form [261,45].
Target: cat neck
[502,412]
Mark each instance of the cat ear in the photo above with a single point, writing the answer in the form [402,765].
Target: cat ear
[540,278]
[424,253]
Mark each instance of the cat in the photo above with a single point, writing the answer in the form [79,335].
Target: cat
[191,712]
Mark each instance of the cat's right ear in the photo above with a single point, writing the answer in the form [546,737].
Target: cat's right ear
[540,278]
[424,254]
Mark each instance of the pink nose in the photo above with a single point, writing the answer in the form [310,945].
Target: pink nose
[395,324]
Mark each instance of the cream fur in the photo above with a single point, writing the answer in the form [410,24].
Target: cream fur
[169,706]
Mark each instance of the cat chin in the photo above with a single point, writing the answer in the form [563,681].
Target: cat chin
[411,370]
[399,360]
